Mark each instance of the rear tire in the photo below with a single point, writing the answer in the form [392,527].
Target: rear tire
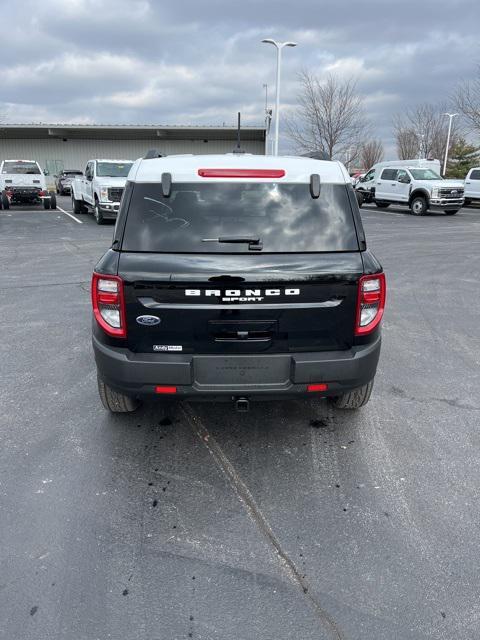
[46,203]
[114,401]
[5,201]
[452,212]
[53,201]
[354,399]
[382,204]
[419,206]
[359,198]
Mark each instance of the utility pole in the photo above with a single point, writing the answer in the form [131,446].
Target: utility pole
[279,46]
[268,119]
[451,116]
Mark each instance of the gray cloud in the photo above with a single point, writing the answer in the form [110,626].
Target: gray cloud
[138,61]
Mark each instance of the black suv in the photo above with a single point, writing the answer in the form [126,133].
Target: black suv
[237,277]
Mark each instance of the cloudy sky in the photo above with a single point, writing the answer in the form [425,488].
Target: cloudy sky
[191,62]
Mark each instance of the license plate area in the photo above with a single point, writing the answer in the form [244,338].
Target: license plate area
[242,371]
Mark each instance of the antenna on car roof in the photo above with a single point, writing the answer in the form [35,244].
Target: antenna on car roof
[238,148]
[152,153]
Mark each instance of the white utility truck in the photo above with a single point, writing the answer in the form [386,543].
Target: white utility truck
[416,184]
[100,189]
[23,182]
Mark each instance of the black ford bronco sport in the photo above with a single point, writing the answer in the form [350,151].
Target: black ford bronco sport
[237,277]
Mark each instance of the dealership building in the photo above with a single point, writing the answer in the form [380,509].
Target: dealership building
[70,146]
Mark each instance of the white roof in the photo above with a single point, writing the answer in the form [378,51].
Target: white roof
[185,168]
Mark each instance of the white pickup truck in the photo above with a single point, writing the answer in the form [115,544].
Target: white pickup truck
[23,182]
[472,186]
[100,189]
[412,183]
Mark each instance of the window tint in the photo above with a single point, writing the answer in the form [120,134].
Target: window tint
[21,167]
[113,169]
[284,217]
[389,174]
[475,175]
[425,174]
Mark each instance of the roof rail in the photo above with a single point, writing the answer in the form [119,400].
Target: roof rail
[152,153]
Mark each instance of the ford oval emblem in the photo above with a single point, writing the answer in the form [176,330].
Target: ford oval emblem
[148,321]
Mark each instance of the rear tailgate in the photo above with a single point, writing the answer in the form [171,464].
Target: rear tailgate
[247,303]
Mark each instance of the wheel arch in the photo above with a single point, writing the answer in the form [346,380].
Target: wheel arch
[419,192]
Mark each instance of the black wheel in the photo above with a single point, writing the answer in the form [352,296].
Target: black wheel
[46,203]
[53,201]
[451,212]
[78,206]
[98,215]
[114,401]
[382,204]
[5,201]
[418,206]
[467,202]
[354,399]
[359,198]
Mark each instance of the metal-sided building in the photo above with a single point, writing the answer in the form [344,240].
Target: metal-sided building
[69,146]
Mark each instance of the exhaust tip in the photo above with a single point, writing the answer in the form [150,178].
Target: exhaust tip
[242,405]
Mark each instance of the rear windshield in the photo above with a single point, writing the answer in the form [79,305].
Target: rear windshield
[21,167]
[113,169]
[284,218]
[67,172]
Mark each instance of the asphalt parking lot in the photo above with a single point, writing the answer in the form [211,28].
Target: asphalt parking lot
[193,521]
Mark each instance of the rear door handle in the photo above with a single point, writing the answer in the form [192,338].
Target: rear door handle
[467,182]
[393,184]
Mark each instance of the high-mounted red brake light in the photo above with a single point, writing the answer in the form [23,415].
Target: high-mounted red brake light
[108,304]
[372,291]
[241,173]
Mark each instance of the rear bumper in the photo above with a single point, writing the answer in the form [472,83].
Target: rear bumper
[258,375]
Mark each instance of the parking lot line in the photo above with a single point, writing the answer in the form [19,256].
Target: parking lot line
[69,214]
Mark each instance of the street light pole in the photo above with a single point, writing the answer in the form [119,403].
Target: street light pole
[279,46]
[451,116]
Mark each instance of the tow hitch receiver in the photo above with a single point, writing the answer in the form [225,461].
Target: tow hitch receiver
[242,405]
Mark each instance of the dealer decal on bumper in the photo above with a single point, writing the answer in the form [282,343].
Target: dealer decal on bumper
[167,347]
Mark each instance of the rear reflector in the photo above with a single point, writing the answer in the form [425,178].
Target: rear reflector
[165,389]
[241,173]
[321,386]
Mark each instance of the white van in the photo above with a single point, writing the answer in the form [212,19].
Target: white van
[472,186]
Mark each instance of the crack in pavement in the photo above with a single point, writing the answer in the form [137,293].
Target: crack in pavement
[248,501]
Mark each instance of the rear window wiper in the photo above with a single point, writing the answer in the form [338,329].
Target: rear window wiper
[254,244]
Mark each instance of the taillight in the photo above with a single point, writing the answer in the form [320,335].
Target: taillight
[371,303]
[109,304]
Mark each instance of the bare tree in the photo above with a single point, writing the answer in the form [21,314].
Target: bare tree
[422,132]
[408,142]
[329,118]
[467,101]
[370,153]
